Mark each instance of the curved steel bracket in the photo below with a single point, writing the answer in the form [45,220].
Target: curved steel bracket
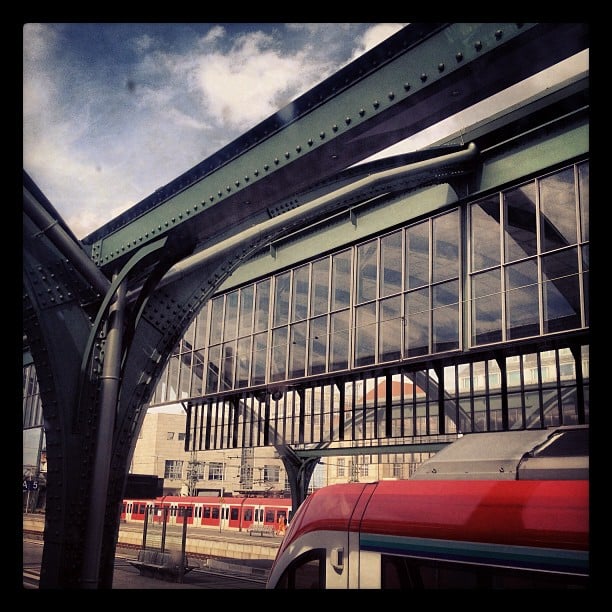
[117,280]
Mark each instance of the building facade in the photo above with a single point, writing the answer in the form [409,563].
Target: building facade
[471,317]
[463,316]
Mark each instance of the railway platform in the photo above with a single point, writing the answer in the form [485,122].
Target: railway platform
[209,548]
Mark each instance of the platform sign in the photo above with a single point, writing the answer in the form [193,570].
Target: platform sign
[30,485]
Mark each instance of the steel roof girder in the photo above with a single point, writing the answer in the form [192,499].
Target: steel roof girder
[364,102]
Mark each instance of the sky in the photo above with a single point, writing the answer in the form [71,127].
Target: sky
[113,111]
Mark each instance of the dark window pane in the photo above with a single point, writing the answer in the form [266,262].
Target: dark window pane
[522,304]
[485,236]
[262,305]
[561,291]
[486,307]
[258,368]
[417,323]
[231,315]
[341,280]
[390,343]
[227,366]
[217,320]
[318,345]
[197,373]
[297,350]
[366,271]
[339,340]
[446,246]
[558,210]
[245,322]
[281,299]
[202,319]
[520,235]
[243,361]
[365,334]
[299,298]
[583,178]
[445,309]
[417,255]
[278,366]
[212,372]
[320,287]
[391,264]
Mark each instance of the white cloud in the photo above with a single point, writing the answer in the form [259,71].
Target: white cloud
[214,34]
[96,146]
[252,81]
[374,36]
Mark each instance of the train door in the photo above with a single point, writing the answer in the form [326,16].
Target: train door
[184,513]
[157,516]
[210,514]
[138,511]
[319,560]
[270,517]
[248,516]
[224,517]
[197,514]
[172,515]
[234,516]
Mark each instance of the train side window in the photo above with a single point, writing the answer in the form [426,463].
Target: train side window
[305,572]
[398,573]
[234,514]
[207,512]
[439,575]
[269,516]
[248,514]
[215,512]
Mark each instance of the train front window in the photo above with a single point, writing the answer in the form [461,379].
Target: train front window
[306,572]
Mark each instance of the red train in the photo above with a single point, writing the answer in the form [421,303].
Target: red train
[455,534]
[233,513]
[501,510]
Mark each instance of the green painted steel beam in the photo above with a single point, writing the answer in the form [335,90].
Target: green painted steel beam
[411,447]
[417,78]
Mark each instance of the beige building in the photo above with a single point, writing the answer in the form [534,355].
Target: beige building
[160,450]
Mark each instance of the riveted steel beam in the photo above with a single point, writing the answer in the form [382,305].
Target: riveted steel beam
[423,74]
[420,76]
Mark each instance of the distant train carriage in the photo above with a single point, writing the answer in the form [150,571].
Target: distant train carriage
[232,513]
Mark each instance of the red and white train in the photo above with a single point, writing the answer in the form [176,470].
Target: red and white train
[501,521]
[231,513]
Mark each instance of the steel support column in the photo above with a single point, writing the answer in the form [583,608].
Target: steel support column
[111,383]
[299,473]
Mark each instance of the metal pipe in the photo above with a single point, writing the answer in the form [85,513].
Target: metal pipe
[110,382]
[64,243]
[386,180]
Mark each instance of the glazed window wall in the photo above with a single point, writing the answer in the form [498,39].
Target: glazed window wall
[529,258]
[400,296]
[32,405]
[528,391]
